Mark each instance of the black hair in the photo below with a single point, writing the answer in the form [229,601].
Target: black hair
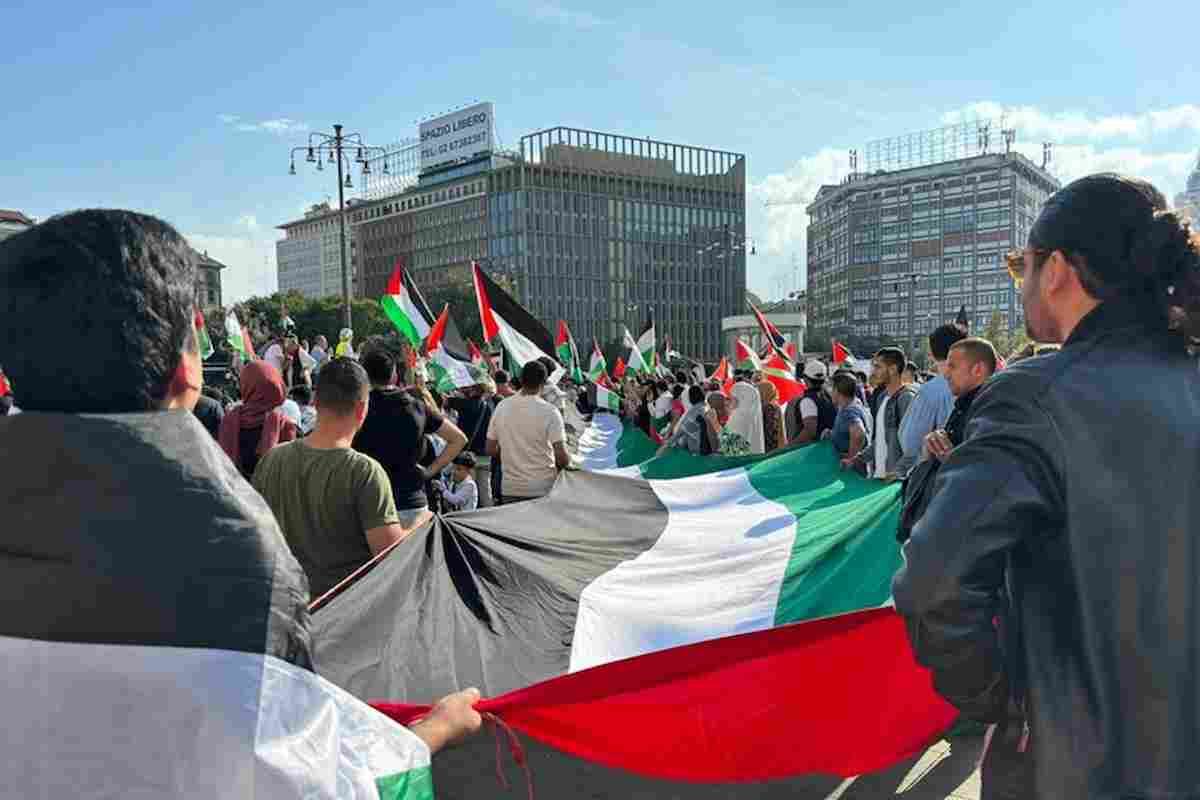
[893,356]
[677,390]
[980,351]
[97,308]
[1122,241]
[695,395]
[533,375]
[681,377]
[910,366]
[549,363]
[845,384]
[942,337]
[500,377]
[514,383]
[465,459]
[341,385]
[302,394]
[379,365]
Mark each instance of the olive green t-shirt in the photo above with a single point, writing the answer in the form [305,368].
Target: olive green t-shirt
[325,501]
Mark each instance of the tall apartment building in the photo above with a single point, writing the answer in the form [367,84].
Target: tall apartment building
[932,235]
[594,228]
[307,257]
[1189,199]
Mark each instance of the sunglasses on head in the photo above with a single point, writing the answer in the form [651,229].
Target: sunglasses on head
[1015,259]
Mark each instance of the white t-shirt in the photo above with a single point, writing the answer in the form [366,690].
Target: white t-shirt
[808,408]
[527,429]
[881,448]
[274,357]
[662,406]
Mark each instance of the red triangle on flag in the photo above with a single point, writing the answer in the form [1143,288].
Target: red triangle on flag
[840,353]
[396,281]
[721,374]
[434,340]
[780,373]
[619,369]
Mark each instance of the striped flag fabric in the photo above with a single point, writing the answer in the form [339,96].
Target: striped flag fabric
[476,354]
[523,337]
[789,352]
[619,369]
[618,585]
[782,374]
[568,354]
[774,338]
[168,666]
[647,347]
[747,359]
[238,338]
[596,366]
[448,372]
[400,306]
[203,342]
[841,353]
[636,361]
[603,397]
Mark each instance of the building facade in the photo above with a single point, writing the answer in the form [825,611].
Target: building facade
[13,222]
[208,282]
[788,316]
[896,253]
[597,229]
[1188,200]
[307,257]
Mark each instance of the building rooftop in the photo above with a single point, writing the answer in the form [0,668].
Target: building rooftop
[7,215]
[209,262]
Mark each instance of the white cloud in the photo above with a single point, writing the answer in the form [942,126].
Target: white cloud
[278,126]
[228,119]
[248,221]
[1082,145]
[552,12]
[249,257]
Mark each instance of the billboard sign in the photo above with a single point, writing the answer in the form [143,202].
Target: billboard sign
[457,136]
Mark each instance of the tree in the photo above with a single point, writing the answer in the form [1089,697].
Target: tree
[1005,341]
[463,308]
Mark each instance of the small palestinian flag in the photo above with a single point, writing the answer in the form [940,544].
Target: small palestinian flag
[646,347]
[602,397]
[841,353]
[636,361]
[524,338]
[772,334]
[778,371]
[619,369]
[203,342]
[238,338]
[597,366]
[447,371]
[476,354]
[747,359]
[5,386]
[401,308]
[568,355]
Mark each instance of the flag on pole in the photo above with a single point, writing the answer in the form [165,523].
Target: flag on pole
[603,397]
[524,338]
[401,308]
[597,366]
[568,355]
[203,342]
[447,371]
[961,321]
[619,369]
[636,361]
[238,337]
[476,354]
[774,338]
[789,352]
[747,359]
[723,376]
[778,371]
[669,351]
[5,386]
[646,347]
[841,353]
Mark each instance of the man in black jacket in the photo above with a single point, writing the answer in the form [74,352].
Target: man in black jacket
[1055,570]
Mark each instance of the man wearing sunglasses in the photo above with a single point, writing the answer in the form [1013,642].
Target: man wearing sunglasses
[1053,579]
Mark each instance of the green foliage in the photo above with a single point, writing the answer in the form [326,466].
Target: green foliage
[1005,342]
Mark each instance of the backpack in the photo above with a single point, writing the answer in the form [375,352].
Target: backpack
[826,413]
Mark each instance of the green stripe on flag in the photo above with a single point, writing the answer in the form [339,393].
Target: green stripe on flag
[634,447]
[415,784]
[393,306]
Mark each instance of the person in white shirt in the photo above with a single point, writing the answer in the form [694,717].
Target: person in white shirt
[462,493]
[529,435]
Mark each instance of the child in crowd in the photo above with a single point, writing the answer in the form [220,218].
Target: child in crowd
[303,397]
[462,494]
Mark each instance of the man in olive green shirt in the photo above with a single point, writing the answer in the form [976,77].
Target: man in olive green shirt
[333,503]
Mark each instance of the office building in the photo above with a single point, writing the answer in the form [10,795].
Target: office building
[594,228]
[899,249]
[208,282]
[1188,200]
[307,257]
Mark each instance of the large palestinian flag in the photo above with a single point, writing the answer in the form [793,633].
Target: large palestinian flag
[623,606]
[141,664]
[524,338]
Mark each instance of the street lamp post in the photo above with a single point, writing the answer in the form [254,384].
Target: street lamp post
[320,145]
[913,277]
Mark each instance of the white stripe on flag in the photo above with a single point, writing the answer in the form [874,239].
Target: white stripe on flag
[716,570]
[90,720]
[597,448]
[520,348]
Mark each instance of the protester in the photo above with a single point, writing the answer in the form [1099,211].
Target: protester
[1054,569]
[528,433]
[345,346]
[474,410]
[932,406]
[909,376]
[503,389]
[210,412]
[462,493]
[691,434]
[718,411]
[745,422]
[851,432]
[160,528]
[809,418]
[887,366]
[319,353]
[303,397]
[250,429]
[394,433]
[292,362]
[772,417]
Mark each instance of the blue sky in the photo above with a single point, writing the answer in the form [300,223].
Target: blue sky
[188,111]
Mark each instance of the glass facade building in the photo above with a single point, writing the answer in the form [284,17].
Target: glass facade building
[932,236]
[594,228]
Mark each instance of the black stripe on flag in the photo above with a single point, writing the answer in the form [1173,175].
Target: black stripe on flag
[484,599]
[137,529]
[452,340]
[519,319]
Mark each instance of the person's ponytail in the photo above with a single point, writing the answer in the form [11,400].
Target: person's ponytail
[1167,258]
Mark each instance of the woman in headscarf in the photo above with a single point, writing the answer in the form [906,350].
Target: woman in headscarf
[250,429]
[744,432]
[772,417]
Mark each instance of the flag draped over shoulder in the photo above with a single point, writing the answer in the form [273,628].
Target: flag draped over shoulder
[650,598]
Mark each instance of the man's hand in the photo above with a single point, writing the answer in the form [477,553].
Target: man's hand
[710,416]
[939,445]
[452,720]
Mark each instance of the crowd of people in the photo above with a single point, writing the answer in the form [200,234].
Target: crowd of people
[1048,515]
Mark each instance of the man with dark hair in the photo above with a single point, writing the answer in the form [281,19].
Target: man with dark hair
[1054,571]
[134,528]
[887,366]
[529,434]
[503,389]
[813,413]
[933,403]
[394,434]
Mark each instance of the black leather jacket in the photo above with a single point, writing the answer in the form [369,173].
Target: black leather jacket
[1078,486]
